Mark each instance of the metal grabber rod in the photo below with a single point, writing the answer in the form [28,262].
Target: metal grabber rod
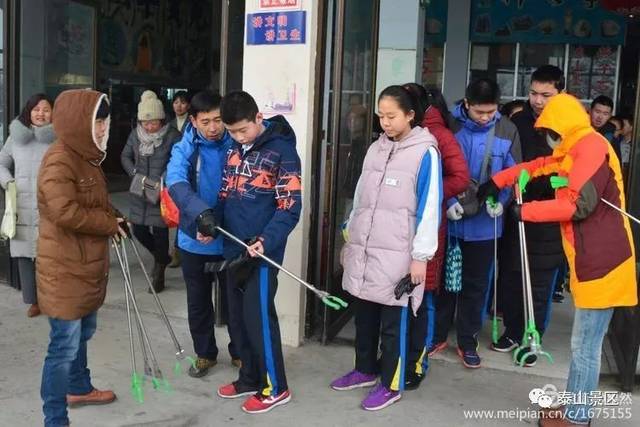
[328,299]
[163,313]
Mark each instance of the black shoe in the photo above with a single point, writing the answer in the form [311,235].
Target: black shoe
[558,297]
[504,345]
[157,277]
[201,367]
[412,381]
[529,361]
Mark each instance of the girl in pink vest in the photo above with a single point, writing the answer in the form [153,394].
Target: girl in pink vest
[392,233]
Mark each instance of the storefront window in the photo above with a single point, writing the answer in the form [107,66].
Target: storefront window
[435,35]
[533,56]
[2,75]
[592,71]
[494,61]
[57,51]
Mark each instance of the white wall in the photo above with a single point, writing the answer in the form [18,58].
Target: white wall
[397,43]
[273,70]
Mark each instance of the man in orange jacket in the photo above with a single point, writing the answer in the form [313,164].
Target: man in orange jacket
[596,239]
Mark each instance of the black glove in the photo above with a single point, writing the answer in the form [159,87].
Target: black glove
[516,211]
[404,286]
[486,190]
[207,223]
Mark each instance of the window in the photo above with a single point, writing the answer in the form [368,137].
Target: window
[435,34]
[494,61]
[57,51]
[590,70]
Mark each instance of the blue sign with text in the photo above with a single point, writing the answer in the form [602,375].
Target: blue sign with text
[276,28]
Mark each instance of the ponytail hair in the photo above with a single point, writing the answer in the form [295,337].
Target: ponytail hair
[407,102]
[429,97]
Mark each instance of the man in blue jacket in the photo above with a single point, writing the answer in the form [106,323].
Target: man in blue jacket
[261,191]
[194,177]
[490,143]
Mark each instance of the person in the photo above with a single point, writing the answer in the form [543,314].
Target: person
[490,143]
[30,135]
[262,200]
[194,177]
[180,104]
[75,214]
[144,158]
[597,239]
[455,178]
[544,243]
[625,136]
[600,113]
[401,184]
[511,108]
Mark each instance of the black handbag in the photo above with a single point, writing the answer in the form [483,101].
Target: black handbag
[468,199]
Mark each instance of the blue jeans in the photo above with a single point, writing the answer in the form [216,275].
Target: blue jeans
[589,328]
[65,367]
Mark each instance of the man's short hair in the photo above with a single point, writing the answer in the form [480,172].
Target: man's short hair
[203,102]
[238,106]
[483,91]
[181,94]
[602,100]
[549,74]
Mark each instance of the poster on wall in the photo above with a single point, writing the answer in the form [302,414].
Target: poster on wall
[276,28]
[592,71]
[545,21]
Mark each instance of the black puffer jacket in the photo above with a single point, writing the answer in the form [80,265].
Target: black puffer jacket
[544,242]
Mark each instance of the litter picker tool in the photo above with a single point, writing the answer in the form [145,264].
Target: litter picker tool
[494,324]
[158,380]
[329,300]
[563,181]
[530,344]
[179,350]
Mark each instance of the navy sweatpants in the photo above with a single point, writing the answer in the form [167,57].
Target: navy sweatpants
[252,311]
[421,330]
[200,305]
[387,325]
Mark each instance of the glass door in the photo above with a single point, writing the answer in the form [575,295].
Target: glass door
[348,100]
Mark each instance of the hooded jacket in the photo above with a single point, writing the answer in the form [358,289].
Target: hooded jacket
[194,177]
[505,152]
[395,217]
[596,238]
[76,218]
[262,190]
[20,160]
[455,179]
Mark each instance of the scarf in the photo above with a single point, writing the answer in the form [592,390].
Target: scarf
[150,141]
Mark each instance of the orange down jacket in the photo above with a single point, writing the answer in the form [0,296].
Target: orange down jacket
[596,238]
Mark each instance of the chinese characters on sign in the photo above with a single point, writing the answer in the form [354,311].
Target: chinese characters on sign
[279,4]
[276,28]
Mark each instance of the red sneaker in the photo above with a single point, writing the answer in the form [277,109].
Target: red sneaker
[234,390]
[259,403]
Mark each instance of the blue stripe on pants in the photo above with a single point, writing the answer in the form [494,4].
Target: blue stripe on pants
[403,346]
[266,329]
[431,325]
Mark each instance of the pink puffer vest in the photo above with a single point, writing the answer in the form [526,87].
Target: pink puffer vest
[383,222]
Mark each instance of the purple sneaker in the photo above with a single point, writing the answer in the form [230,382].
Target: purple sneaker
[379,398]
[353,379]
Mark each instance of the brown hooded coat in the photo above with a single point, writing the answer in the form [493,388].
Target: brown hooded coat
[76,218]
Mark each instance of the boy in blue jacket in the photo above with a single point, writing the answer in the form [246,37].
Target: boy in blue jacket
[194,177]
[490,143]
[261,192]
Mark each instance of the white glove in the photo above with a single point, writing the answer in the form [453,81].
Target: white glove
[454,213]
[495,210]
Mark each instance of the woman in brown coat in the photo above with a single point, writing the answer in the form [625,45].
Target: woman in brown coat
[76,222]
